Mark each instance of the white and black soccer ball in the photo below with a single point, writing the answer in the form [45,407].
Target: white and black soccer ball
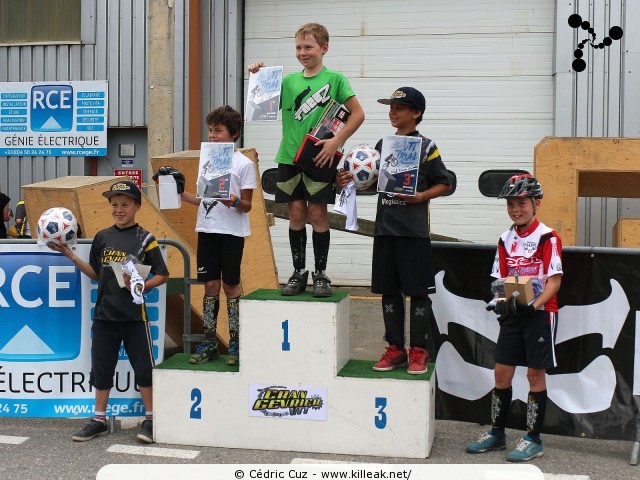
[363,162]
[57,225]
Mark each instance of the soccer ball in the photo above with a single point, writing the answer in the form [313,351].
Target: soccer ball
[57,225]
[363,161]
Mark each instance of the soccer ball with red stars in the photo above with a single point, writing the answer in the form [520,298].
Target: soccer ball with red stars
[363,161]
[57,225]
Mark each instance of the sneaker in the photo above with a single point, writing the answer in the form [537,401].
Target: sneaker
[146,431]
[418,361]
[487,442]
[204,352]
[321,285]
[90,430]
[392,358]
[233,360]
[526,449]
[296,284]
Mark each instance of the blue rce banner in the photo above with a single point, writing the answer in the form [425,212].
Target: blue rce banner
[40,297]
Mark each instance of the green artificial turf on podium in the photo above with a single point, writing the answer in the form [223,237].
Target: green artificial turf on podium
[364,369]
[353,368]
[180,361]
[271,294]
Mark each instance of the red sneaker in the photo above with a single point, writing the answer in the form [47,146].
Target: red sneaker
[418,361]
[392,358]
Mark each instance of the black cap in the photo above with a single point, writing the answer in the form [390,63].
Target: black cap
[124,188]
[406,96]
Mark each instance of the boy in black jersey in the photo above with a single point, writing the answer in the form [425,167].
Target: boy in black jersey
[402,257]
[117,318]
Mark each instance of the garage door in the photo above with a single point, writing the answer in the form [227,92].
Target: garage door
[485,69]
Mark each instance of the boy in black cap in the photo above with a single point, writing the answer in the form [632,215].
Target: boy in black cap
[402,257]
[116,317]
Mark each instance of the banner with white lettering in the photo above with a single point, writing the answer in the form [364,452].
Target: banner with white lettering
[46,307]
[597,343]
[65,119]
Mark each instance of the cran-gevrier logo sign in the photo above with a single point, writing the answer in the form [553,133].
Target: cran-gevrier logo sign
[575,21]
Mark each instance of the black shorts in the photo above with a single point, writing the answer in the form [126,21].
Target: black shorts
[402,264]
[528,341]
[105,346]
[219,256]
[294,184]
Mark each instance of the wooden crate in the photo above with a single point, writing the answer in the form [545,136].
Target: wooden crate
[626,233]
[569,168]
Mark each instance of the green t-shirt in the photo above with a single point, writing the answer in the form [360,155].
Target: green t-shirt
[304,99]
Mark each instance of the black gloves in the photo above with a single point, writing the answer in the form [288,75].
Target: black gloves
[510,307]
[168,170]
[519,309]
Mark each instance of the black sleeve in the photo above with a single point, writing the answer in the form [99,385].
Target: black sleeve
[436,171]
[4,200]
[153,257]
[21,212]
[94,254]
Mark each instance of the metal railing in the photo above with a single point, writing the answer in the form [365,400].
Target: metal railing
[187,337]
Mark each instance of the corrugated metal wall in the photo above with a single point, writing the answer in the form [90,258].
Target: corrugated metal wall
[601,101]
[114,47]
[221,65]
[486,71]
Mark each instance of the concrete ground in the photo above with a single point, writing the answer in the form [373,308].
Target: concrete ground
[47,451]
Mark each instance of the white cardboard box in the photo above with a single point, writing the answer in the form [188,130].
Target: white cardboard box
[168,195]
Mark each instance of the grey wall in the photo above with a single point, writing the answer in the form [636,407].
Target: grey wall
[601,101]
[222,60]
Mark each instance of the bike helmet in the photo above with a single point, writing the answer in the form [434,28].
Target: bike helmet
[522,185]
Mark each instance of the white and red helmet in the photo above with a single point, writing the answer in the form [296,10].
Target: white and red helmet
[522,185]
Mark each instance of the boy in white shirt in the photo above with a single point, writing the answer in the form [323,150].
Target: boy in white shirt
[222,226]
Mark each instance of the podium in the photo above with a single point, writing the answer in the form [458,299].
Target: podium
[295,389]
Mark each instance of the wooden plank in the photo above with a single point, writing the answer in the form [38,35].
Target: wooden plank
[609,184]
[337,222]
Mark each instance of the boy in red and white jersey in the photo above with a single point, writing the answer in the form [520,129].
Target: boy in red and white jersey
[527,331]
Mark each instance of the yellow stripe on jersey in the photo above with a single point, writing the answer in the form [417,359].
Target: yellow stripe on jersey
[151,246]
[435,154]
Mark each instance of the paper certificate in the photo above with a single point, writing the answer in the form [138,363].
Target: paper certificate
[399,163]
[263,97]
[119,270]
[214,179]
